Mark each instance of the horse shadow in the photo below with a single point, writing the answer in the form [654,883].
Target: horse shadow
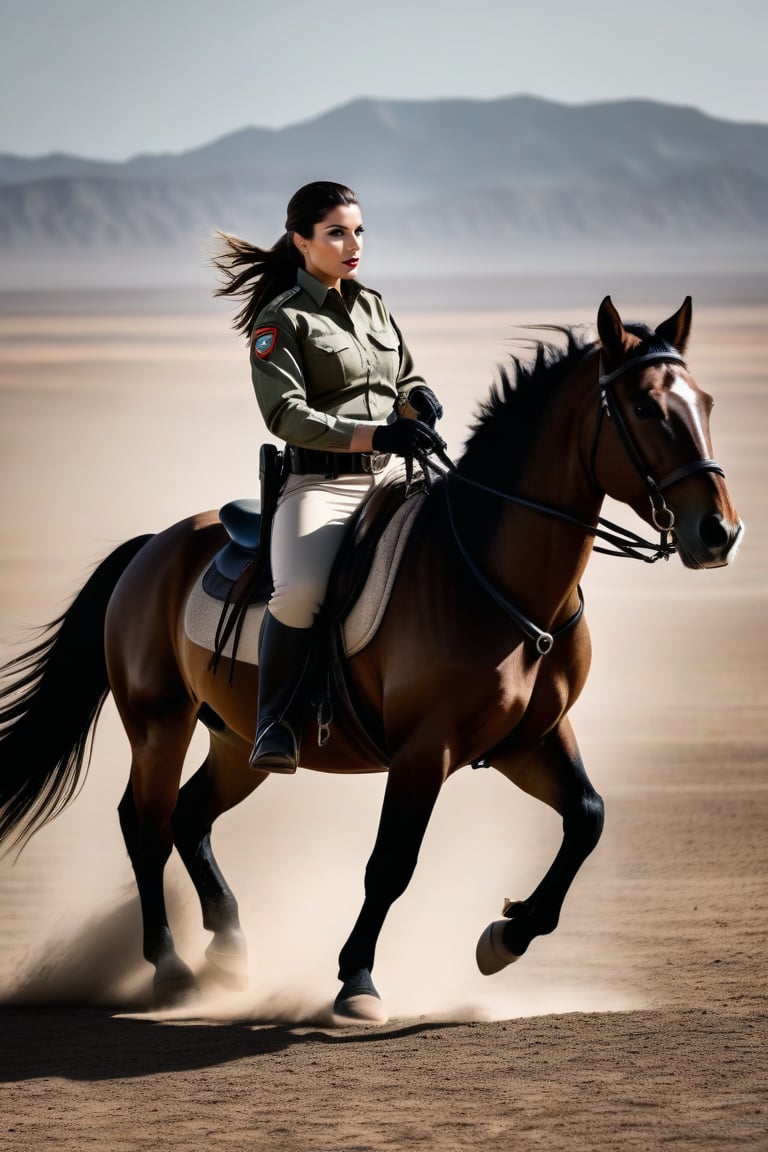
[92,1044]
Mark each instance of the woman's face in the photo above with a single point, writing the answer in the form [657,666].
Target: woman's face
[333,253]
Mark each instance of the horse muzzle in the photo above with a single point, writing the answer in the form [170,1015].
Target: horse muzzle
[711,542]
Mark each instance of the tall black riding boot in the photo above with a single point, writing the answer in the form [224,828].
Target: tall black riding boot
[283,658]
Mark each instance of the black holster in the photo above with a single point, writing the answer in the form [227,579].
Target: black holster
[271,479]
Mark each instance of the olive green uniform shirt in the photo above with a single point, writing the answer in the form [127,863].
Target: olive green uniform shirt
[321,366]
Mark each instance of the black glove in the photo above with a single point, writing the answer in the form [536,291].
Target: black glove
[424,401]
[406,438]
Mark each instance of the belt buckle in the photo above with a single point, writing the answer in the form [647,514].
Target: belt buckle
[374,462]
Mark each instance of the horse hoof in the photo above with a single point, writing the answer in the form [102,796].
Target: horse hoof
[492,953]
[359,1002]
[227,954]
[174,982]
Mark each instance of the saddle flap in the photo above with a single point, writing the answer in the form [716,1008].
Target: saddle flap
[355,556]
[225,569]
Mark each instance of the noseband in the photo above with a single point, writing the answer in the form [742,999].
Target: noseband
[661,514]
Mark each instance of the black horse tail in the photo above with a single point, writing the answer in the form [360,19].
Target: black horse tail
[50,702]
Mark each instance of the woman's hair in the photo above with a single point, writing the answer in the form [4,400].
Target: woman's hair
[259,274]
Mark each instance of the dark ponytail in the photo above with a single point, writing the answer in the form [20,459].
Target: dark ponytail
[272,269]
[261,274]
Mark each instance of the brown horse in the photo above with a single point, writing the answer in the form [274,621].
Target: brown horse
[481,652]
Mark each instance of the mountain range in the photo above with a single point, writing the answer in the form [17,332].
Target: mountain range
[446,184]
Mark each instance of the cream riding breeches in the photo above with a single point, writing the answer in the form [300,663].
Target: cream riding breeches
[311,518]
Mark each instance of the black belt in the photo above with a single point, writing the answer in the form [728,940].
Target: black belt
[306,461]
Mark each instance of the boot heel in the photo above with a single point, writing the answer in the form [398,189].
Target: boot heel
[275,751]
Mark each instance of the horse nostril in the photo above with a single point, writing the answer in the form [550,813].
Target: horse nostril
[713,532]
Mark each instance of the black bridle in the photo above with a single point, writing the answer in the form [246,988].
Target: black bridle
[662,515]
[624,542]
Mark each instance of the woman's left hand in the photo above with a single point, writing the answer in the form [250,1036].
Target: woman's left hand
[426,404]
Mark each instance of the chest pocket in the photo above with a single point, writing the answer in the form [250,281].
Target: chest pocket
[385,355]
[331,342]
[331,362]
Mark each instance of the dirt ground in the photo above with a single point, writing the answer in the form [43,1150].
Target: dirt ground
[640,1024]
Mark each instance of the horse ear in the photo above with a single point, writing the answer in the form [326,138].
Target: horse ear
[677,329]
[616,341]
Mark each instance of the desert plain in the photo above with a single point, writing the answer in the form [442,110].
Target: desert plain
[639,1025]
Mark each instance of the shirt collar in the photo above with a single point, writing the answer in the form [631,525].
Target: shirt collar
[312,285]
[319,291]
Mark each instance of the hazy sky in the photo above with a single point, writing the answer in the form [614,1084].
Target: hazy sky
[110,78]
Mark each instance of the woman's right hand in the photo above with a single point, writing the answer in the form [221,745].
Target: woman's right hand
[406,438]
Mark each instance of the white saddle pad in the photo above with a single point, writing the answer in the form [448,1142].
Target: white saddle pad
[202,613]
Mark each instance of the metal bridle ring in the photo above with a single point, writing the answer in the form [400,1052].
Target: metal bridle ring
[545,642]
[658,515]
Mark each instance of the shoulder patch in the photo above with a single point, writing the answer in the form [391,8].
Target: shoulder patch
[263,342]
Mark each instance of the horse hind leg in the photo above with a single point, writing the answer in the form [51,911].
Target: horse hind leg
[556,776]
[222,782]
[159,745]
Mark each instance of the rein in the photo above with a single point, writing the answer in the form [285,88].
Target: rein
[544,641]
[624,542]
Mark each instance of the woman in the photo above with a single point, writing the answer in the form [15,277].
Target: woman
[335,380]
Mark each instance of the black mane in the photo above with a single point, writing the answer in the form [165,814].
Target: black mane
[503,431]
[502,434]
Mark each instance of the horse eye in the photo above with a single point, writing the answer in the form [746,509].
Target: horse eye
[648,409]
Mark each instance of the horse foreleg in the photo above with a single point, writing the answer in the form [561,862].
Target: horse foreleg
[224,779]
[555,775]
[408,802]
[145,818]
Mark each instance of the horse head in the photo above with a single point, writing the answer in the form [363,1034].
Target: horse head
[651,447]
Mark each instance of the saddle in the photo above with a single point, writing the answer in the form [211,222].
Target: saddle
[241,572]
[240,576]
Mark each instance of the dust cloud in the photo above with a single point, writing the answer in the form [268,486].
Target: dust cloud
[294,853]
